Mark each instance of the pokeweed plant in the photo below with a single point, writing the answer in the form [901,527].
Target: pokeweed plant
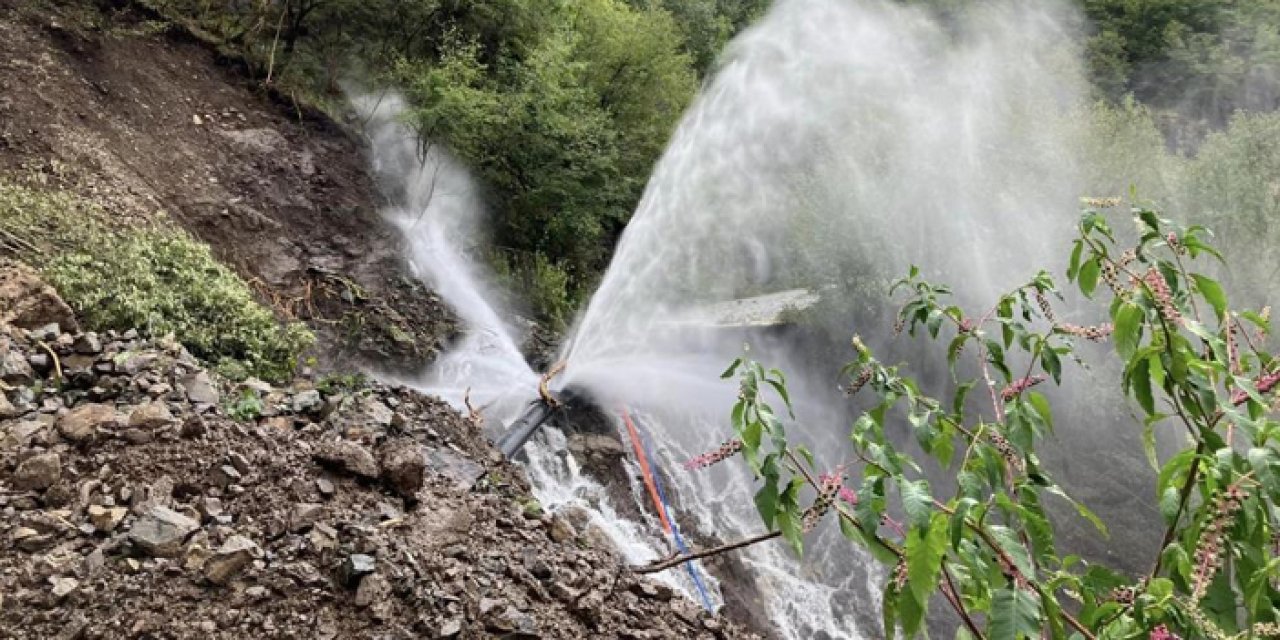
[1188,359]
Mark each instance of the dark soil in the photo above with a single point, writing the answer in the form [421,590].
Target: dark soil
[155,127]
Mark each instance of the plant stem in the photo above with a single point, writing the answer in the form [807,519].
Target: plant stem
[953,595]
[678,559]
[1182,505]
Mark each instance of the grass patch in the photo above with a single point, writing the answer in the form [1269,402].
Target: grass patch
[160,281]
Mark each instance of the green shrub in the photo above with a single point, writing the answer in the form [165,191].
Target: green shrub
[245,407]
[159,281]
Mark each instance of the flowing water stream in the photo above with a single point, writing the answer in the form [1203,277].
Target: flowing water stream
[839,142]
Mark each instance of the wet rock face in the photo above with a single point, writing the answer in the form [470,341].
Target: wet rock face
[131,505]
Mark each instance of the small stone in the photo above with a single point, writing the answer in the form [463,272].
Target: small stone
[7,410]
[47,333]
[200,389]
[325,487]
[240,462]
[62,587]
[196,119]
[374,588]
[450,629]
[561,530]
[355,567]
[14,368]
[106,519]
[40,363]
[38,473]
[304,515]
[192,427]
[348,456]
[88,344]
[209,507]
[224,476]
[153,415]
[308,401]
[403,468]
[22,433]
[82,422]
[161,531]
[230,559]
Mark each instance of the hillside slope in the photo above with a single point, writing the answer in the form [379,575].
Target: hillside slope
[135,116]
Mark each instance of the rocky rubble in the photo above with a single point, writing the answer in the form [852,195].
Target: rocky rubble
[143,496]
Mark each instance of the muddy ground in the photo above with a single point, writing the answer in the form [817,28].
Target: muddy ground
[138,117]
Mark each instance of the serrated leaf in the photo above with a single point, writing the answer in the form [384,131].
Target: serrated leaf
[925,549]
[1212,293]
[1014,615]
[917,502]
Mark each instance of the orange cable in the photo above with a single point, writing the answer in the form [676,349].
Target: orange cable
[644,469]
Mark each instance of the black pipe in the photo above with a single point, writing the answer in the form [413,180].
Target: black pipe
[523,428]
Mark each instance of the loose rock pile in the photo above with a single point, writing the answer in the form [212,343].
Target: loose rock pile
[133,504]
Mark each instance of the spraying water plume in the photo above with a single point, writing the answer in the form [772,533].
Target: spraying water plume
[839,142]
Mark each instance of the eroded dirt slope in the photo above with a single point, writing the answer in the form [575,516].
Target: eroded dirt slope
[141,119]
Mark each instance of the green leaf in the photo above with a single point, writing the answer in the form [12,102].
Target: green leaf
[767,501]
[1041,406]
[733,368]
[1088,276]
[792,530]
[917,502]
[925,549]
[1128,319]
[1015,614]
[1073,266]
[1213,294]
[957,520]
[1140,384]
[1149,446]
[1052,364]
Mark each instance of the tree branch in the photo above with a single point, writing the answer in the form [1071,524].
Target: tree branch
[677,559]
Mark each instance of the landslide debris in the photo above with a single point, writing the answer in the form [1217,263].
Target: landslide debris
[143,496]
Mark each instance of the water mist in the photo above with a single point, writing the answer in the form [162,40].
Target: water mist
[438,211]
[838,143]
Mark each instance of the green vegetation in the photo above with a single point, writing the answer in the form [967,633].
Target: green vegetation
[244,406]
[1190,364]
[161,281]
[561,108]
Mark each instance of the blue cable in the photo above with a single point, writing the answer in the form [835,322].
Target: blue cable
[675,528]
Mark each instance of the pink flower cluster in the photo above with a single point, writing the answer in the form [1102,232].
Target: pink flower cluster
[725,451]
[1013,390]
[1163,633]
[1266,383]
[1164,298]
[1208,555]
[1095,333]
